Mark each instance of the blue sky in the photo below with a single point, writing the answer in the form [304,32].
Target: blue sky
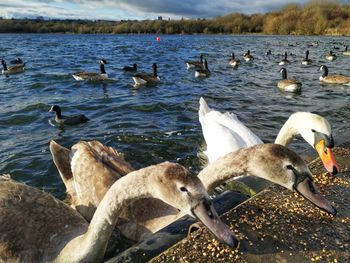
[134,9]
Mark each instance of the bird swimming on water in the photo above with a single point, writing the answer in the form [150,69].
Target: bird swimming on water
[69,120]
[92,75]
[133,68]
[146,78]
[18,68]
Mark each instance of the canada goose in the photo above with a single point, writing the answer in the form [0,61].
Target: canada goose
[204,72]
[335,79]
[346,52]
[69,120]
[36,227]
[195,64]
[224,133]
[146,78]
[234,62]
[330,56]
[133,68]
[11,70]
[93,75]
[306,60]
[290,85]
[247,56]
[284,61]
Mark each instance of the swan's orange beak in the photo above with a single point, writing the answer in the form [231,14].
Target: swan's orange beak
[206,213]
[327,157]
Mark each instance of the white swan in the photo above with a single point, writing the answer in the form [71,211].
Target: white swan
[36,227]
[224,133]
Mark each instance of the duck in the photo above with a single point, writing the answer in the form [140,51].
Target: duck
[346,52]
[12,70]
[269,52]
[330,56]
[133,68]
[202,72]
[284,61]
[333,79]
[234,62]
[69,120]
[289,85]
[93,76]
[47,230]
[146,78]
[137,222]
[247,56]
[224,133]
[306,60]
[195,64]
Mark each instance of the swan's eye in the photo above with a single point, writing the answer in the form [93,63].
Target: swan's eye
[183,189]
[290,167]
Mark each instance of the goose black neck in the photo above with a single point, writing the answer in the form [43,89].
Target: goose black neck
[4,64]
[58,112]
[285,55]
[346,48]
[155,70]
[325,71]
[206,64]
[307,54]
[102,69]
[284,74]
[201,59]
[233,55]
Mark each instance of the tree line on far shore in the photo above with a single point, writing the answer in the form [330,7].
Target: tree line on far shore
[317,17]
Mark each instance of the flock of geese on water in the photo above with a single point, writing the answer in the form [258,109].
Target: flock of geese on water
[106,191]
[201,70]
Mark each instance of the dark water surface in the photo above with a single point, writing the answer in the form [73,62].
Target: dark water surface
[153,124]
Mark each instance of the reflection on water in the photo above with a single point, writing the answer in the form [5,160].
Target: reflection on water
[157,123]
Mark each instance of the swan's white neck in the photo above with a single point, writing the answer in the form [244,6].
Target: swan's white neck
[91,246]
[287,133]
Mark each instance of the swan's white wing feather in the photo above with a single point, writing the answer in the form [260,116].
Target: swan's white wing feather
[219,139]
[232,122]
[223,133]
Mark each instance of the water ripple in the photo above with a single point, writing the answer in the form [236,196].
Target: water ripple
[156,123]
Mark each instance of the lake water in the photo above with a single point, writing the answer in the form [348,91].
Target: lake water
[153,124]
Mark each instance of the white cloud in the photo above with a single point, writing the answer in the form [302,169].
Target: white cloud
[135,9]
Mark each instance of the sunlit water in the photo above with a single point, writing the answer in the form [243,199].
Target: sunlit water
[153,124]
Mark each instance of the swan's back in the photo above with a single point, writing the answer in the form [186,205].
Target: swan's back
[95,167]
[31,219]
[223,132]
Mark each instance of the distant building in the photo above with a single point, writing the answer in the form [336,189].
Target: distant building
[160,18]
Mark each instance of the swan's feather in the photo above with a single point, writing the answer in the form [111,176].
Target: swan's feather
[223,132]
